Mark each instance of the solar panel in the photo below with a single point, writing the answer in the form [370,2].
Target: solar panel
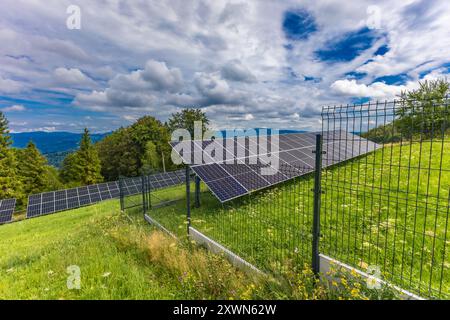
[55,201]
[240,171]
[7,207]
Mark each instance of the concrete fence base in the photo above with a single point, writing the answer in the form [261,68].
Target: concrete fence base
[217,248]
[326,263]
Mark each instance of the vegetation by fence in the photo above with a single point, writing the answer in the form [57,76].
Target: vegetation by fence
[388,211]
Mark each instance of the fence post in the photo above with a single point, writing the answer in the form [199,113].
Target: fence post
[149,197]
[144,194]
[121,194]
[188,197]
[197,192]
[317,197]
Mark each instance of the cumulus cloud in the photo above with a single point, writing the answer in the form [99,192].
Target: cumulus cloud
[375,90]
[160,77]
[136,89]
[215,90]
[71,77]
[235,71]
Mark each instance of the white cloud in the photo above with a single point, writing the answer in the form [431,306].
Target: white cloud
[10,86]
[15,107]
[160,77]
[71,76]
[249,117]
[375,90]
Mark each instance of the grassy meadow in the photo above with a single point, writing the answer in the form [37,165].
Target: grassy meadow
[120,256]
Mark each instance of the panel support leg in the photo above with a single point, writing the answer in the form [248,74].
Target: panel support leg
[197,192]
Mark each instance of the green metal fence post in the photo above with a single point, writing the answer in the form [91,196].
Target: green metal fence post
[149,189]
[188,197]
[144,194]
[317,197]
[121,194]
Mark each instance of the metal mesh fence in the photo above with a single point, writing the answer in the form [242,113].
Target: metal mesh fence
[383,209]
[131,196]
[270,228]
[388,211]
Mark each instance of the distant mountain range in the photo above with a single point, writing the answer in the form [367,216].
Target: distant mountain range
[54,145]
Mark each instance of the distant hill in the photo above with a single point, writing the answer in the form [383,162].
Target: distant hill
[54,145]
[260,131]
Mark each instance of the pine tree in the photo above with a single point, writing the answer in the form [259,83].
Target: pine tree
[69,170]
[83,166]
[10,186]
[88,160]
[33,168]
[151,159]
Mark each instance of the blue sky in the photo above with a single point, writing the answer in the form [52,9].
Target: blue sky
[246,63]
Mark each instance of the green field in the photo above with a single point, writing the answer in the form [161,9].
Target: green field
[120,256]
[388,209]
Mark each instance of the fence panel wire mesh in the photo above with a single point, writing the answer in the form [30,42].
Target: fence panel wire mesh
[167,206]
[270,229]
[130,190]
[389,210]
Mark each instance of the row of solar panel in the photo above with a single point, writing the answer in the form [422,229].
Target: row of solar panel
[225,150]
[55,201]
[293,157]
[51,202]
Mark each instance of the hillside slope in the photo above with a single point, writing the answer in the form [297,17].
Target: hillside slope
[119,256]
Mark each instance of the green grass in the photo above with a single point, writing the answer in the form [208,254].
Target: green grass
[35,254]
[122,257]
[112,252]
[388,209]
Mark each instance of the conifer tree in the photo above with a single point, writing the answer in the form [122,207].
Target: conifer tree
[83,166]
[33,168]
[10,186]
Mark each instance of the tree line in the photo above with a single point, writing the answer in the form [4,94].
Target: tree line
[420,113]
[141,148]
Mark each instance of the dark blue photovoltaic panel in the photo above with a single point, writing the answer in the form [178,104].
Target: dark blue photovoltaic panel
[210,172]
[73,203]
[33,210]
[82,191]
[95,197]
[61,205]
[48,197]
[226,188]
[35,199]
[72,193]
[85,200]
[7,207]
[251,181]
